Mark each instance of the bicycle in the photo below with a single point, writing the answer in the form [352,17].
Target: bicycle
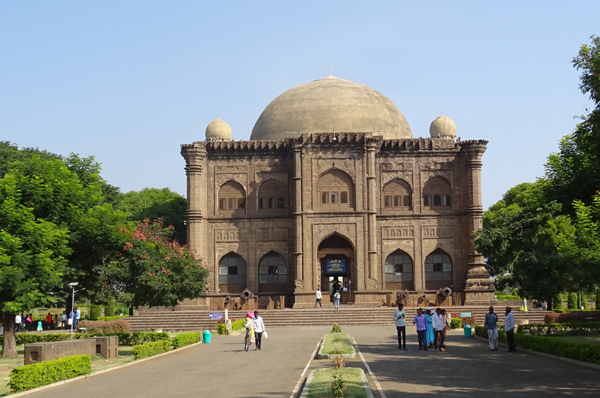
[247,340]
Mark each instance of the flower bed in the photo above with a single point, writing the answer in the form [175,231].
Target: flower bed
[560,329]
[335,344]
[318,383]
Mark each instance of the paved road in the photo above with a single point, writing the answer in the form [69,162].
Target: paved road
[221,369]
[468,367]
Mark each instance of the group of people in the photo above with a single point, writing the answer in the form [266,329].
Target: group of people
[491,320]
[25,323]
[431,328]
[256,328]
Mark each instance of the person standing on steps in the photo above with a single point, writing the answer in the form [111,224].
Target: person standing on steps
[336,300]
[318,297]
[509,328]
[491,319]
[399,317]
[421,323]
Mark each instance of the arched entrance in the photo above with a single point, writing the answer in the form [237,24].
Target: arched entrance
[336,256]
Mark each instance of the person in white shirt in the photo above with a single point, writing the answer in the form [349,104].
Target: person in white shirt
[17,323]
[336,302]
[259,329]
[509,328]
[345,289]
[318,296]
[400,318]
[437,321]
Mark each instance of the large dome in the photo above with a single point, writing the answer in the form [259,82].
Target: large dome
[330,105]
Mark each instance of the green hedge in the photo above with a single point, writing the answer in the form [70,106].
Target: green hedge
[572,301]
[109,310]
[221,328]
[551,345]
[112,318]
[150,349]
[507,298]
[184,339]
[560,329]
[42,373]
[455,323]
[128,339]
[238,325]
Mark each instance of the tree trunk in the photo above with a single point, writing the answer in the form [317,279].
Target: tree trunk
[9,348]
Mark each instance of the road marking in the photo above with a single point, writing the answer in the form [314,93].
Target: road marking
[299,382]
[381,393]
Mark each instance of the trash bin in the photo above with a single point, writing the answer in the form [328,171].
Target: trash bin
[206,337]
[467,331]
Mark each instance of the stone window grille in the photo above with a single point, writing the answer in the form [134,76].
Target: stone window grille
[271,196]
[397,195]
[437,194]
[231,198]
[334,190]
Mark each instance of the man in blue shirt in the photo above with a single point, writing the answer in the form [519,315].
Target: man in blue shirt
[509,327]
[421,323]
[77,318]
[491,319]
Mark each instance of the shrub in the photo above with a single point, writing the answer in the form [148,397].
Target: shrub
[42,373]
[105,327]
[551,317]
[112,318]
[238,325]
[560,329]
[577,316]
[150,349]
[507,298]
[455,323]
[221,328]
[95,312]
[139,337]
[572,301]
[557,302]
[109,310]
[336,328]
[184,339]
[551,345]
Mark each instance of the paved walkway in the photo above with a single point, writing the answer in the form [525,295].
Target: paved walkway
[222,369]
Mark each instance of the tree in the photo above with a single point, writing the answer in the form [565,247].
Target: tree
[522,239]
[156,270]
[154,203]
[32,258]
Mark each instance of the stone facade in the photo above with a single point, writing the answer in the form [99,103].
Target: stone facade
[395,214]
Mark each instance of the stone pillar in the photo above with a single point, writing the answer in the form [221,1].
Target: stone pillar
[479,288]
[298,233]
[195,158]
[371,146]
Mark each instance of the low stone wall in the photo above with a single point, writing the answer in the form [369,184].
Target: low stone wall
[38,352]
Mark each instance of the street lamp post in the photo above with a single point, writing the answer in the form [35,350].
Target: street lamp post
[73,284]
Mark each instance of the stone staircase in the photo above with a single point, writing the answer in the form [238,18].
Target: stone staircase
[326,316]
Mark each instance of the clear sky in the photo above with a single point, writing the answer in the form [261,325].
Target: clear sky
[129,81]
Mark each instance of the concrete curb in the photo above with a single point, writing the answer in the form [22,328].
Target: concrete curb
[362,376]
[543,354]
[60,383]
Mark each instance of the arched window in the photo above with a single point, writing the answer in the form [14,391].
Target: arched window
[436,194]
[271,196]
[272,272]
[398,271]
[232,274]
[397,195]
[231,197]
[334,191]
[438,270]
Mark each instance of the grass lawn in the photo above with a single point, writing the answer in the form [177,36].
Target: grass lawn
[98,363]
[320,386]
[337,343]
[581,339]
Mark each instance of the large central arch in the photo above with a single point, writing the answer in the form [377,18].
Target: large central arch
[337,258]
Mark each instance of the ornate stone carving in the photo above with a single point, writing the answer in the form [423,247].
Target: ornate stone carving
[388,176]
[241,178]
[325,164]
[231,235]
[437,231]
[398,233]
[427,175]
[346,230]
[231,169]
[269,234]
[265,176]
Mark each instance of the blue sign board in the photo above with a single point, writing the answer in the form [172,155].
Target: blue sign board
[335,266]
[215,316]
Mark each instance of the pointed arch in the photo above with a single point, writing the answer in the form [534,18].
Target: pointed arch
[232,273]
[437,194]
[335,191]
[272,273]
[399,271]
[272,196]
[231,197]
[438,270]
[397,195]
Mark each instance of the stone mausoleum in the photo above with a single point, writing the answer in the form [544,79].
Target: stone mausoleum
[332,190]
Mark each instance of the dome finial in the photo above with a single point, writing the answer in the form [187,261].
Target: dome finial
[217,115]
[330,71]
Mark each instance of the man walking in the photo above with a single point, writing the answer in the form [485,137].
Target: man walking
[259,329]
[336,298]
[421,323]
[438,329]
[491,319]
[77,317]
[399,317]
[17,323]
[318,296]
[509,327]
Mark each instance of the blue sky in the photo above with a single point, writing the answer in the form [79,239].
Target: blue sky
[128,82]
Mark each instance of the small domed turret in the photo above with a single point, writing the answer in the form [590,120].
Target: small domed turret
[218,130]
[442,127]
